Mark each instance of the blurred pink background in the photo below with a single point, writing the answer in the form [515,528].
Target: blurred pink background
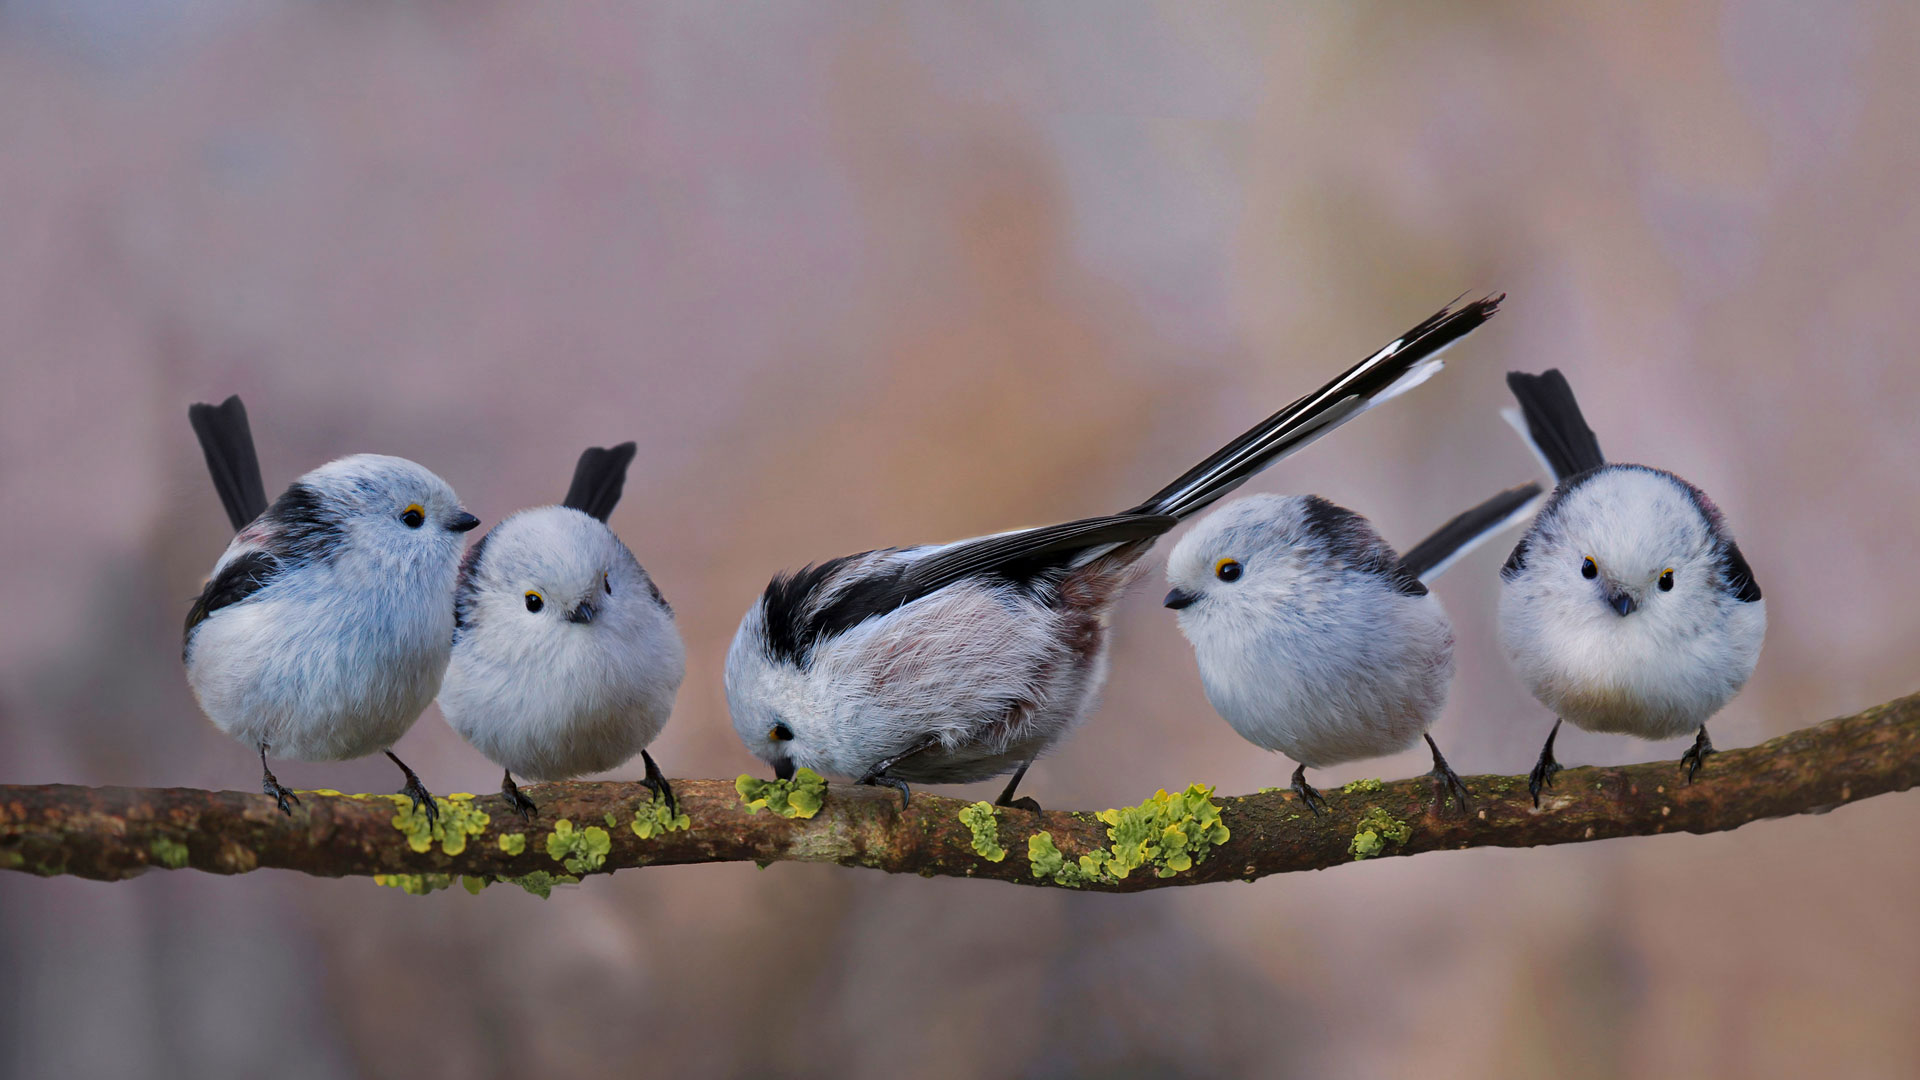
[879,274]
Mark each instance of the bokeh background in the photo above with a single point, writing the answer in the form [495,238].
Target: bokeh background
[855,275]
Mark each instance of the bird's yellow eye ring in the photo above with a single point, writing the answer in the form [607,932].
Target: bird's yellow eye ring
[534,601]
[780,733]
[1228,569]
[413,516]
[1666,580]
[1589,569]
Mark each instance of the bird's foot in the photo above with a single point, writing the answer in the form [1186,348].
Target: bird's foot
[1025,802]
[280,796]
[1307,794]
[880,779]
[517,801]
[1446,781]
[656,782]
[1696,754]
[1545,769]
[417,791]
[270,784]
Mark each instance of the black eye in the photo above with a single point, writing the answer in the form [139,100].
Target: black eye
[781,733]
[534,603]
[414,517]
[1666,580]
[1589,569]
[608,582]
[1228,570]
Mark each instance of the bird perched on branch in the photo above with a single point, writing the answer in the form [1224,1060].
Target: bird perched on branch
[961,662]
[1626,606]
[325,628]
[1313,637]
[565,655]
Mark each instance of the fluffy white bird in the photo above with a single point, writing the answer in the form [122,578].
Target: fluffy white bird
[325,628]
[960,662]
[566,660]
[1316,639]
[1626,606]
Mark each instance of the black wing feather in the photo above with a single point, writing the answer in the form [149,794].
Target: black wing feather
[1739,575]
[236,581]
[599,478]
[1352,541]
[1025,555]
[1555,424]
[227,442]
[796,622]
[1465,528]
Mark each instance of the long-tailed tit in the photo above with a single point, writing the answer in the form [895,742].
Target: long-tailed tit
[323,631]
[1315,638]
[1626,606]
[960,662]
[565,656]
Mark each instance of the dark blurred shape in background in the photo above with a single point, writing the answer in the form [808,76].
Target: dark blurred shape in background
[886,275]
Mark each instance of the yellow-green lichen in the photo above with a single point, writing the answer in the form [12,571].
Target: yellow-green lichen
[540,883]
[985,823]
[513,843]
[579,850]
[11,860]
[473,884]
[1361,787]
[1376,830]
[414,884]
[458,820]
[653,818]
[171,854]
[800,797]
[1168,833]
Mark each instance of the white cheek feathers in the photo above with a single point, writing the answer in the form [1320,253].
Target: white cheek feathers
[1626,607]
[325,628]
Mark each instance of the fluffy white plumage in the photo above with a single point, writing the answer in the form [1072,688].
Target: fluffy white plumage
[327,624]
[584,683]
[1627,606]
[1661,671]
[964,661]
[1313,650]
[993,672]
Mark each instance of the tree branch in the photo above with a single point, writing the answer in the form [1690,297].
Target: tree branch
[115,833]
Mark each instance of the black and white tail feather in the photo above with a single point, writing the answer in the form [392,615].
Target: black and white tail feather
[1406,362]
[1431,557]
[809,684]
[1549,419]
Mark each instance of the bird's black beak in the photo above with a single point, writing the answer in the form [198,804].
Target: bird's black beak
[462,522]
[582,614]
[783,769]
[1621,601]
[1180,598]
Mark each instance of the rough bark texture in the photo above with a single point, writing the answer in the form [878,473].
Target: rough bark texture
[114,833]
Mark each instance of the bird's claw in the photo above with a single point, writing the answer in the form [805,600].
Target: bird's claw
[1544,769]
[517,801]
[280,796]
[883,780]
[1696,754]
[656,782]
[1313,799]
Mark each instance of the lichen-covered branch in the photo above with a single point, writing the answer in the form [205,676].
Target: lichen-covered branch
[1170,839]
